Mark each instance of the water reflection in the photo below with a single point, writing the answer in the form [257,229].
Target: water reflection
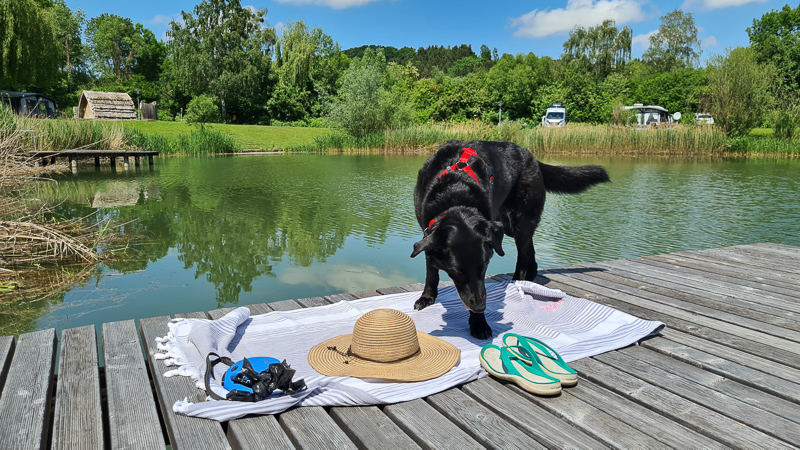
[227,231]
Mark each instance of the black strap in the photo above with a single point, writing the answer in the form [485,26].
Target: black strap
[209,370]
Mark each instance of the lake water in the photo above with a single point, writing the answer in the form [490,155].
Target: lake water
[226,231]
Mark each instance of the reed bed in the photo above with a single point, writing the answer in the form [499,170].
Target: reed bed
[575,138]
[203,141]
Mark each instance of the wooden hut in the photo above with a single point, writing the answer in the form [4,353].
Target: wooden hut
[106,106]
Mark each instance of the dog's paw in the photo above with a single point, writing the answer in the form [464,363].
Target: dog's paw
[478,327]
[423,303]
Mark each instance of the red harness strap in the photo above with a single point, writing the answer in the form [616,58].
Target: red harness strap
[463,164]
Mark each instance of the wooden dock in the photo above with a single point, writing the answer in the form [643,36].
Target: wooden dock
[74,155]
[724,373]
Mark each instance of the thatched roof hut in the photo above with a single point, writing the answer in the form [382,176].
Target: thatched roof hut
[106,106]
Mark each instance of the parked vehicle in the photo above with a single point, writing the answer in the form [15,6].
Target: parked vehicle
[651,115]
[29,104]
[704,118]
[555,116]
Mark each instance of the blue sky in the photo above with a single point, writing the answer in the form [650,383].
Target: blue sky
[511,26]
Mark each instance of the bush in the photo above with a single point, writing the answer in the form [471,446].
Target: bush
[202,109]
[165,116]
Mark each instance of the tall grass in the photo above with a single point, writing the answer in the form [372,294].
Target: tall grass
[575,138]
[204,141]
[60,134]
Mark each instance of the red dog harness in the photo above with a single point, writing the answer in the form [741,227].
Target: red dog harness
[463,164]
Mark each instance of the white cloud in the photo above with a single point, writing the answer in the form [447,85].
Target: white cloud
[710,41]
[334,4]
[716,4]
[584,13]
[642,40]
[161,19]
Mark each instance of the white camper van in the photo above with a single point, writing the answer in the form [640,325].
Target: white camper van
[556,116]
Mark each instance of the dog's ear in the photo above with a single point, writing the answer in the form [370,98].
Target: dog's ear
[497,238]
[422,245]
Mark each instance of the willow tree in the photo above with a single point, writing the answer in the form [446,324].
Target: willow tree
[222,49]
[604,47]
[29,53]
[308,64]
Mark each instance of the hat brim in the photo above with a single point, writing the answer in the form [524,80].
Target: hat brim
[435,358]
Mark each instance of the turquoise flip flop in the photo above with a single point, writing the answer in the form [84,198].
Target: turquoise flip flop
[537,353]
[503,364]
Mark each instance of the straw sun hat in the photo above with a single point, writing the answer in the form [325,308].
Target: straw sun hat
[385,344]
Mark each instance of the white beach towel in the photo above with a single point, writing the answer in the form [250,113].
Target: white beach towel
[574,327]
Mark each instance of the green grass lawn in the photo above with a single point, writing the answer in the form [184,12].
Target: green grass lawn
[251,137]
[762,132]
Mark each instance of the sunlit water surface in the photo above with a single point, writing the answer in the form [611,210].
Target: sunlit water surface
[228,231]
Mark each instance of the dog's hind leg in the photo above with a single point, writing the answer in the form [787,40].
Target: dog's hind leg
[431,290]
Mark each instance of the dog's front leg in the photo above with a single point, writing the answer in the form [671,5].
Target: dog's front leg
[431,286]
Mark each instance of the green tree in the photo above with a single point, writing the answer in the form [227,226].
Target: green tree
[309,64]
[222,49]
[151,55]
[739,90]
[514,80]
[602,49]
[364,105]
[69,25]
[202,110]
[775,38]
[115,43]
[675,44]
[29,52]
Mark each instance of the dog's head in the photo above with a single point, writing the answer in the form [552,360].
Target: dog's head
[462,245]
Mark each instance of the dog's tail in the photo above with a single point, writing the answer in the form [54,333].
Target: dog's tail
[571,179]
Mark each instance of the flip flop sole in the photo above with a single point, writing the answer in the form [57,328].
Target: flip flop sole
[534,388]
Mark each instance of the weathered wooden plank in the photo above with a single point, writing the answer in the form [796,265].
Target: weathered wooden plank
[766,274]
[643,419]
[310,427]
[257,433]
[687,323]
[733,275]
[132,416]
[479,422]
[743,256]
[782,248]
[217,313]
[364,294]
[788,257]
[25,403]
[184,432]
[6,352]
[336,298]
[285,305]
[726,361]
[741,392]
[311,302]
[500,277]
[514,406]
[754,417]
[662,304]
[78,421]
[390,290]
[592,420]
[772,319]
[413,287]
[369,428]
[427,427]
[680,280]
[699,418]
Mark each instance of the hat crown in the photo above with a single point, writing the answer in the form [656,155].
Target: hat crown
[384,335]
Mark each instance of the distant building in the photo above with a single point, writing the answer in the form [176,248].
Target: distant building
[106,106]
[29,104]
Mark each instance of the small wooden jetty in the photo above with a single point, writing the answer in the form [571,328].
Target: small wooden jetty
[724,373]
[74,155]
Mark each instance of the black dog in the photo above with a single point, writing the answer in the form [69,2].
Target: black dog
[468,195]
